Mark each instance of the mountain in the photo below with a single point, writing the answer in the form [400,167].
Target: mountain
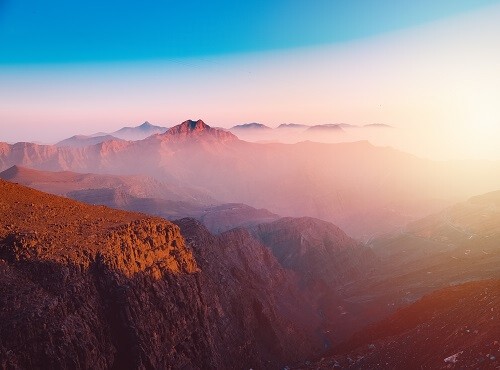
[255,132]
[316,250]
[295,126]
[323,133]
[326,260]
[82,140]
[224,217]
[125,133]
[454,246]
[455,327]
[141,194]
[139,132]
[195,131]
[364,189]
[250,289]
[250,126]
[71,183]
[121,199]
[91,287]
[326,128]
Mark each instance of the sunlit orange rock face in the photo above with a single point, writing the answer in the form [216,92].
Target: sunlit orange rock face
[42,227]
[90,287]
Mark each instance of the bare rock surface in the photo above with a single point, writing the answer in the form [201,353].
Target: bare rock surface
[90,287]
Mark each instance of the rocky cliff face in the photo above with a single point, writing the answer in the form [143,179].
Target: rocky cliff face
[262,311]
[326,260]
[316,250]
[91,287]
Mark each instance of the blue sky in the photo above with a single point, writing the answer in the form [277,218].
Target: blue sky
[429,68]
[65,31]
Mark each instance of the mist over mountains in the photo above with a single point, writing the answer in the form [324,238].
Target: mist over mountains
[363,188]
[307,255]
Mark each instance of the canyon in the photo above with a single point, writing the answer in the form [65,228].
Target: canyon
[194,249]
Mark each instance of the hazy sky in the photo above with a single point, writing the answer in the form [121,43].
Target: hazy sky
[429,68]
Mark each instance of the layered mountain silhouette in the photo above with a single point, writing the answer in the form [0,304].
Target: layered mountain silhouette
[139,132]
[125,133]
[250,127]
[322,133]
[362,188]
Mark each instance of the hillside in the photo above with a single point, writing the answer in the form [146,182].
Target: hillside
[454,328]
[67,183]
[91,287]
[364,189]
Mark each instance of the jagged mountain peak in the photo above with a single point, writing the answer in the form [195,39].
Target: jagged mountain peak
[146,124]
[196,129]
[192,125]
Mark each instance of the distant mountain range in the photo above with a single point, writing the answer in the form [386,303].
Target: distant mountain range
[139,132]
[126,133]
[360,187]
[293,132]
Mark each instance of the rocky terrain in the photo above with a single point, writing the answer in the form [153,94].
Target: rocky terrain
[91,287]
[348,184]
[141,194]
[224,217]
[67,183]
[457,327]
[317,250]
[239,287]
[326,260]
[455,246]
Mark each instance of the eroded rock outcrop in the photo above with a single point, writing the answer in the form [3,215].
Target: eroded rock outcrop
[91,287]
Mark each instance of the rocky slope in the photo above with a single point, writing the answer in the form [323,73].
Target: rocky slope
[326,260]
[224,217]
[361,188]
[454,328]
[141,194]
[67,182]
[317,250]
[259,303]
[455,246]
[90,287]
